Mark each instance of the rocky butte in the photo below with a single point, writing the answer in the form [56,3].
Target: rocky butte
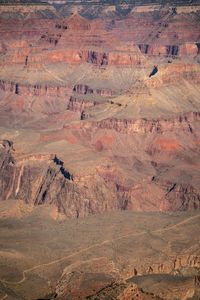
[100,113]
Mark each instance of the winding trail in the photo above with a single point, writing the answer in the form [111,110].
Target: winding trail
[24,273]
[4,297]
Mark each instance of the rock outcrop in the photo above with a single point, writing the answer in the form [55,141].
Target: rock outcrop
[180,122]
[34,90]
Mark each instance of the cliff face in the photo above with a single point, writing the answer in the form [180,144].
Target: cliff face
[180,122]
[108,282]
[41,180]
[7,170]
[103,42]
[46,180]
[112,104]
[34,90]
[100,115]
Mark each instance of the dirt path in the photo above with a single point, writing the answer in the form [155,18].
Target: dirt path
[96,246]
[53,75]
[4,297]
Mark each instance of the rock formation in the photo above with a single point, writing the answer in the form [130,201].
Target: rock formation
[100,113]
[113,102]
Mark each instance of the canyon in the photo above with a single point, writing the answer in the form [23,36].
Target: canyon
[100,114]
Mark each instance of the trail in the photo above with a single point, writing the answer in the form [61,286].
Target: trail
[54,76]
[95,246]
[160,229]
[4,297]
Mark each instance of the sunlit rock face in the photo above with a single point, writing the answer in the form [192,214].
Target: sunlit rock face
[109,90]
